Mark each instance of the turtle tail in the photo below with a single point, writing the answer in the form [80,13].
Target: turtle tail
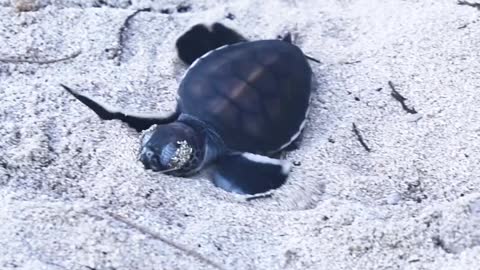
[288,38]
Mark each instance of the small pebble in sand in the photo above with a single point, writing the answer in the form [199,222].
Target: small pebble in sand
[393,198]
[25,5]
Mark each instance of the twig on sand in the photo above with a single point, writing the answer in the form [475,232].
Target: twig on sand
[351,62]
[360,138]
[261,196]
[170,243]
[289,38]
[466,3]
[39,61]
[401,99]
[122,36]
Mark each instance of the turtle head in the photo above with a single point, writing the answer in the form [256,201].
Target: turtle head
[174,148]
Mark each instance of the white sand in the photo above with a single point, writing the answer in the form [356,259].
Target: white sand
[69,181]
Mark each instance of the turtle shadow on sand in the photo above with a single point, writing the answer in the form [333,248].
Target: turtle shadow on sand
[240,104]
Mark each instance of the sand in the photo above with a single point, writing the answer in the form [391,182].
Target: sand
[74,196]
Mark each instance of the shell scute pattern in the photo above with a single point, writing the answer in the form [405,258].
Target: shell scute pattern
[198,87]
[255,127]
[235,84]
[257,100]
[256,75]
[241,95]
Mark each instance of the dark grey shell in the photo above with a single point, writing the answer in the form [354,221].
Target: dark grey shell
[254,94]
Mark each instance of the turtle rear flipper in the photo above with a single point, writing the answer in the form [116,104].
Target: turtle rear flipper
[200,39]
[137,121]
[248,173]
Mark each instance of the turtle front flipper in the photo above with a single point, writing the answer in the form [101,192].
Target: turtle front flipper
[200,39]
[248,173]
[136,121]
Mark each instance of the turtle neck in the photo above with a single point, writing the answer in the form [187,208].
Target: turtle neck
[214,144]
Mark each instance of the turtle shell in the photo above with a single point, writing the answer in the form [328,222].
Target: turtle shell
[255,95]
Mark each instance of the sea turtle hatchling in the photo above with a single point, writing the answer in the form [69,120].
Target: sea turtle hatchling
[238,105]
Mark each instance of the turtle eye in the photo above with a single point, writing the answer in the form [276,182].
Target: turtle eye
[147,134]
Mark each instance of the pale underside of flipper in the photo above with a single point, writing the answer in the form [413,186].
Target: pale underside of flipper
[247,173]
[136,121]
